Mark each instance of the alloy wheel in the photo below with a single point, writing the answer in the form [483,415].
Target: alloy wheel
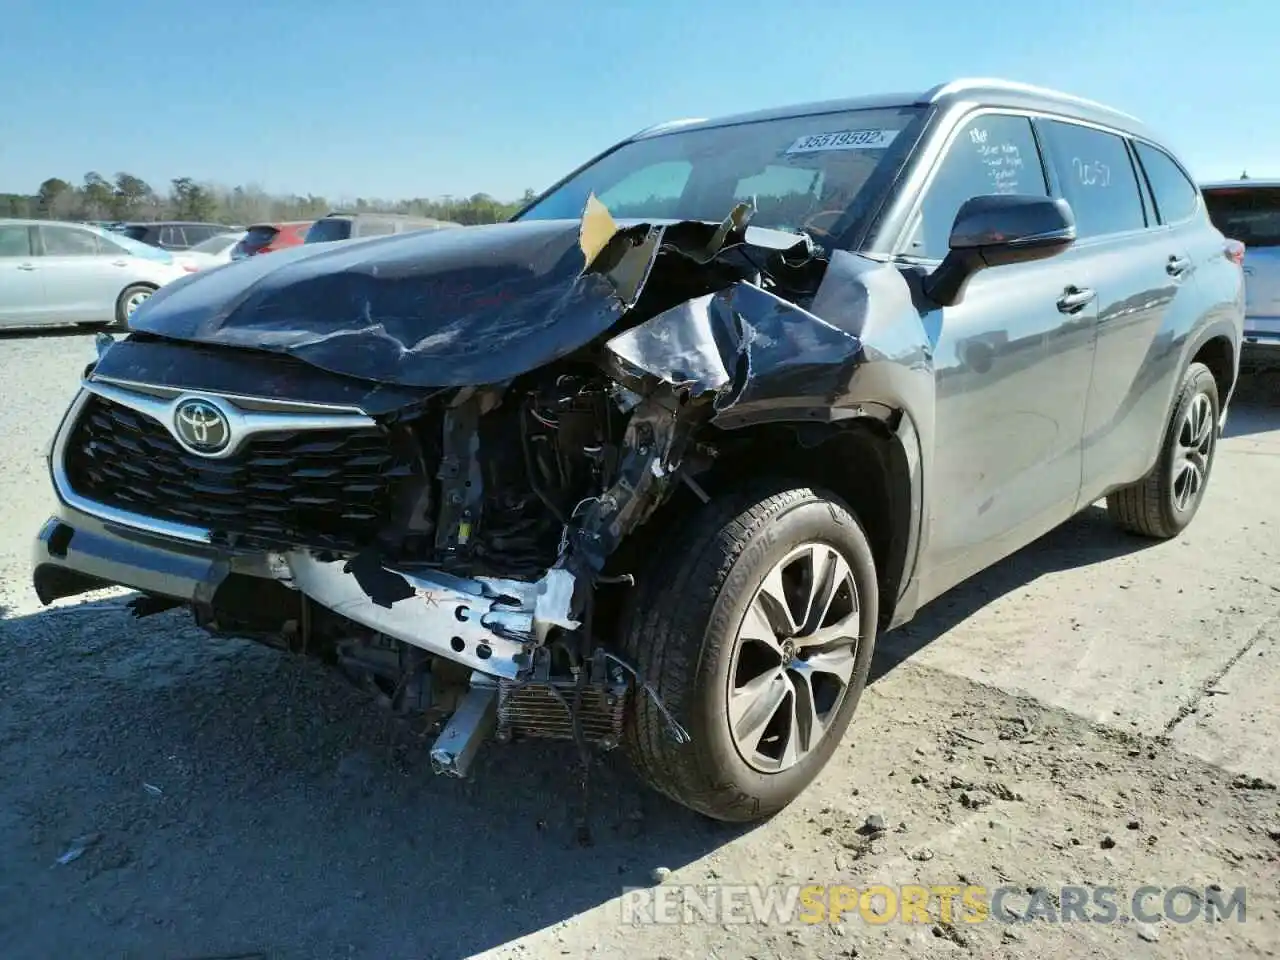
[794,658]
[1192,453]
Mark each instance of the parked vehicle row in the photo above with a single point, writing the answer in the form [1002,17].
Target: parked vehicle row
[52,272]
[55,273]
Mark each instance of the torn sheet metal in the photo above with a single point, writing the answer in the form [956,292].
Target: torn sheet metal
[743,344]
[451,307]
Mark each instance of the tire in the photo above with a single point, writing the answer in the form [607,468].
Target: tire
[1160,505]
[134,295]
[680,629]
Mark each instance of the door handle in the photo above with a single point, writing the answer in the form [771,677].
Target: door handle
[1075,299]
[26,266]
[1177,266]
[119,263]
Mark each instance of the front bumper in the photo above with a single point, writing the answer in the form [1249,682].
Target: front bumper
[75,552]
[1261,341]
[490,625]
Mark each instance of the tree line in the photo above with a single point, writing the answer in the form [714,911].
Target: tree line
[127,197]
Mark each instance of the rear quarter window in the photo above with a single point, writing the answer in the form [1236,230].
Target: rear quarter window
[1176,197]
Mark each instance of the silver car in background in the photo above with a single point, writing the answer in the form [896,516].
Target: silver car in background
[58,273]
[1249,211]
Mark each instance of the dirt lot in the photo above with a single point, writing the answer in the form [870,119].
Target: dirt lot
[1092,711]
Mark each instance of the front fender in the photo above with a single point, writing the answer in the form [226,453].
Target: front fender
[858,349]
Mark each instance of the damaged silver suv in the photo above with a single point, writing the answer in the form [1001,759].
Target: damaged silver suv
[652,464]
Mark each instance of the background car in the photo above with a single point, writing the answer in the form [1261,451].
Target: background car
[52,272]
[212,252]
[1249,211]
[173,234]
[350,226]
[266,237]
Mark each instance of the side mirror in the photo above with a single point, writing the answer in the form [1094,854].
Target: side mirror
[995,230]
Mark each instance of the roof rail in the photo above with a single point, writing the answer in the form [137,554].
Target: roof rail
[669,125]
[962,84]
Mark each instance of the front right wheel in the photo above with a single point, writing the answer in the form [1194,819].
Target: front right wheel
[755,624]
[1164,502]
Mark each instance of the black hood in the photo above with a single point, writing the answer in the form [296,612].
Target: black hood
[463,307]
[433,308]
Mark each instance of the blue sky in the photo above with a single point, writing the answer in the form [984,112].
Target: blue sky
[398,99]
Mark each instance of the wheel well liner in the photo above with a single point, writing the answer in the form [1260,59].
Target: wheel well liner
[858,460]
[1217,354]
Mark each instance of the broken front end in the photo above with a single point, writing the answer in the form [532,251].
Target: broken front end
[451,530]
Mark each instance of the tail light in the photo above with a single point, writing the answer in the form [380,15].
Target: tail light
[190,268]
[1234,250]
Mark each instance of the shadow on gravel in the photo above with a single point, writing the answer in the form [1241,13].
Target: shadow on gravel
[1087,538]
[232,799]
[50,333]
[1255,407]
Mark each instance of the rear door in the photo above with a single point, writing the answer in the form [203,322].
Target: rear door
[1143,271]
[81,279]
[1251,214]
[21,281]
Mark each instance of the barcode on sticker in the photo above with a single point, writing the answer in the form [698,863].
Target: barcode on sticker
[844,140]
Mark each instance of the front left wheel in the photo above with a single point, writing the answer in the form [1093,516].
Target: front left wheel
[755,624]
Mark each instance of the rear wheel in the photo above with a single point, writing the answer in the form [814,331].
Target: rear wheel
[1165,501]
[755,624]
[129,301]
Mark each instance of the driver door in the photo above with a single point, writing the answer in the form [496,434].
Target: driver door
[1012,362]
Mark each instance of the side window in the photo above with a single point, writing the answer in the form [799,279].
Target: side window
[992,154]
[660,181]
[68,242]
[1096,177]
[1176,196]
[171,237]
[110,248]
[15,240]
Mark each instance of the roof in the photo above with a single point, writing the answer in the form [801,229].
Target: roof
[985,91]
[34,222]
[169,223]
[1240,184]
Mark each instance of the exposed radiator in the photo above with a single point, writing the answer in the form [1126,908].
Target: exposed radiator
[532,709]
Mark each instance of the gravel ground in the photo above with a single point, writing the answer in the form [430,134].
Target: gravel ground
[1091,711]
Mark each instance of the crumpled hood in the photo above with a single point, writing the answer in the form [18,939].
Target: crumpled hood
[432,309]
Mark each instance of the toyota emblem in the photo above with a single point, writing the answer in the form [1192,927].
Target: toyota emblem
[201,427]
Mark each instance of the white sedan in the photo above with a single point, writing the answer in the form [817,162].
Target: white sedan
[210,253]
[57,273]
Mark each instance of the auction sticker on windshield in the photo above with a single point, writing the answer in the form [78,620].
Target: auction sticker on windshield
[843,140]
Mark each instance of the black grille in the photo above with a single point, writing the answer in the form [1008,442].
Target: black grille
[325,488]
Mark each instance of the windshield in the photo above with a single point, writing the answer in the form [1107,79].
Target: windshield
[134,232]
[329,228]
[1248,214]
[218,243]
[256,238]
[801,172]
[135,247]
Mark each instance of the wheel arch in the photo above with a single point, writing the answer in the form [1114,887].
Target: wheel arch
[1217,350]
[872,462]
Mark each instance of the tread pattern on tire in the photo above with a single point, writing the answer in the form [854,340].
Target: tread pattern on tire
[1139,507]
[705,550]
